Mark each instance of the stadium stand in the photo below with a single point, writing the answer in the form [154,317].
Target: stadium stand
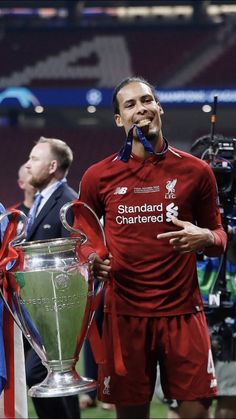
[220,72]
[168,55]
[76,57]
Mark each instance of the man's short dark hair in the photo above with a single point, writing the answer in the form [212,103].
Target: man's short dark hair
[123,83]
[61,151]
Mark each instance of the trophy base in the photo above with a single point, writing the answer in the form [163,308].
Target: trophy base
[62,384]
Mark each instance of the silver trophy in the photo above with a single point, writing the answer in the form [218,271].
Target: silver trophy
[52,293]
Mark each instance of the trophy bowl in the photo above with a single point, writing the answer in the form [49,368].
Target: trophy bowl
[52,294]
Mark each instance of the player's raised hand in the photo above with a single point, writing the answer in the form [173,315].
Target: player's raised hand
[189,238]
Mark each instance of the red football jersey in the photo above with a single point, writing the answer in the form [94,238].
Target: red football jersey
[137,200]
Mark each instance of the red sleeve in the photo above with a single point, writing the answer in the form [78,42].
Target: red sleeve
[89,191]
[220,243]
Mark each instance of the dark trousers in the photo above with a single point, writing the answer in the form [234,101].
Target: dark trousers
[49,408]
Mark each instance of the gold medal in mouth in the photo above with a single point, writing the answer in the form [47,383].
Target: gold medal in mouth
[143,123]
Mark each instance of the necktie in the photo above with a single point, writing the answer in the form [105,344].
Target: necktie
[125,152]
[33,211]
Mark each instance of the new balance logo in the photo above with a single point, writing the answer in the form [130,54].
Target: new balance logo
[171,210]
[214,299]
[120,191]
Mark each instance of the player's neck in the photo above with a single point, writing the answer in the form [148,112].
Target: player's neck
[139,150]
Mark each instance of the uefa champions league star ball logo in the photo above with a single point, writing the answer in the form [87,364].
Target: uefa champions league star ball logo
[61,281]
[22,95]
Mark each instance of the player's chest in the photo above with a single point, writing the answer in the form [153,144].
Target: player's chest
[149,188]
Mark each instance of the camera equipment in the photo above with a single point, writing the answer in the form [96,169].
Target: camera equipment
[223,338]
[220,309]
[220,153]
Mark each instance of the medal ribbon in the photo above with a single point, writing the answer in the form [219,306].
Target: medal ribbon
[125,152]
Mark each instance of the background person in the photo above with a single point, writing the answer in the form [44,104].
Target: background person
[48,165]
[28,191]
[140,192]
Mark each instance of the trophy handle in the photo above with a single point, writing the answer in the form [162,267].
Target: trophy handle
[63,214]
[77,203]
[98,238]
[18,237]
[22,233]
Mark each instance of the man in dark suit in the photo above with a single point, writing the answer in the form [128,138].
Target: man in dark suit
[48,165]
